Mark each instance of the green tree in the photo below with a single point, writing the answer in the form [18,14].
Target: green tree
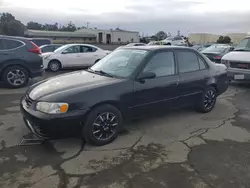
[161,35]
[10,26]
[227,39]
[70,27]
[34,25]
[224,40]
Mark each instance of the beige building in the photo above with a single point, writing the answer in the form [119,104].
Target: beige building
[202,38]
[116,36]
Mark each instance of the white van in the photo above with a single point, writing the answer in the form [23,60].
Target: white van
[238,61]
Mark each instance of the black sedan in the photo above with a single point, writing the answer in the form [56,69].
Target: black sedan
[217,51]
[126,84]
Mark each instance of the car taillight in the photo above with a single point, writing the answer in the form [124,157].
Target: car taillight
[217,57]
[35,49]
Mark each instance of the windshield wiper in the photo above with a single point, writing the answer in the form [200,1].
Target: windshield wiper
[241,50]
[100,72]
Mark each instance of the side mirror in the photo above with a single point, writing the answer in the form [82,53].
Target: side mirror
[146,75]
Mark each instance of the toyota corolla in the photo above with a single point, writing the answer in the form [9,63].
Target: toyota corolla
[126,84]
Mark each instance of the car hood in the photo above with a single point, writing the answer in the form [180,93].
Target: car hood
[237,56]
[80,79]
[107,51]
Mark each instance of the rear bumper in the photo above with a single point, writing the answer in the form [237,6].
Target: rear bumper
[37,73]
[231,72]
[223,84]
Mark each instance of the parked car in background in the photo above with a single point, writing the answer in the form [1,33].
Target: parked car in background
[154,43]
[136,44]
[201,47]
[177,40]
[73,55]
[217,51]
[40,41]
[20,60]
[49,47]
[238,61]
[128,83]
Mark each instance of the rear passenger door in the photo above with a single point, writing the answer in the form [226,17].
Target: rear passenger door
[89,55]
[193,75]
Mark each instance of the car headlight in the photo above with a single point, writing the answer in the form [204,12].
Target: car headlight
[52,108]
[47,57]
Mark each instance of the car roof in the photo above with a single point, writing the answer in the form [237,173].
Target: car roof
[14,37]
[155,47]
[68,45]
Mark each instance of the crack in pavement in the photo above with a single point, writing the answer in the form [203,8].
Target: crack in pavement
[195,170]
[63,176]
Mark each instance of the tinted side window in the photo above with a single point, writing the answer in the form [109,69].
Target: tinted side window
[87,49]
[11,44]
[187,61]
[162,64]
[1,44]
[72,49]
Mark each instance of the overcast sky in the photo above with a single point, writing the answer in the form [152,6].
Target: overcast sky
[148,16]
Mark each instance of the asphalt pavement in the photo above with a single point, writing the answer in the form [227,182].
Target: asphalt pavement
[177,149]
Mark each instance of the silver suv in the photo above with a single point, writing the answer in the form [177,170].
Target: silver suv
[238,61]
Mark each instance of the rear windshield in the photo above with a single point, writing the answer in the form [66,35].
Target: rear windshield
[215,49]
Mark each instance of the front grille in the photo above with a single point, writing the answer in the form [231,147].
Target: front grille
[28,101]
[239,65]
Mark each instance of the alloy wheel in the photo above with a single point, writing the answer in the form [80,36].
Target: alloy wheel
[105,126]
[16,77]
[54,66]
[209,99]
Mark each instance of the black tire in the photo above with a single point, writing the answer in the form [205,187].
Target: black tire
[94,124]
[207,100]
[54,66]
[20,74]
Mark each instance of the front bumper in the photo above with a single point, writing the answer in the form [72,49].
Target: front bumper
[52,126]
[231,72]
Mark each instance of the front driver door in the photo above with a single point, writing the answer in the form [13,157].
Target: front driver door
[161,91]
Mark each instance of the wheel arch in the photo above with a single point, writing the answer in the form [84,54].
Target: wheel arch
[11,63]
[114,103]
[61,66]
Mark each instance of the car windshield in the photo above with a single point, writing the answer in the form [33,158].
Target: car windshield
[120,63]
[215,49]
[244,45]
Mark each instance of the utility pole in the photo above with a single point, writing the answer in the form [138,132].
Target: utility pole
[87,25]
